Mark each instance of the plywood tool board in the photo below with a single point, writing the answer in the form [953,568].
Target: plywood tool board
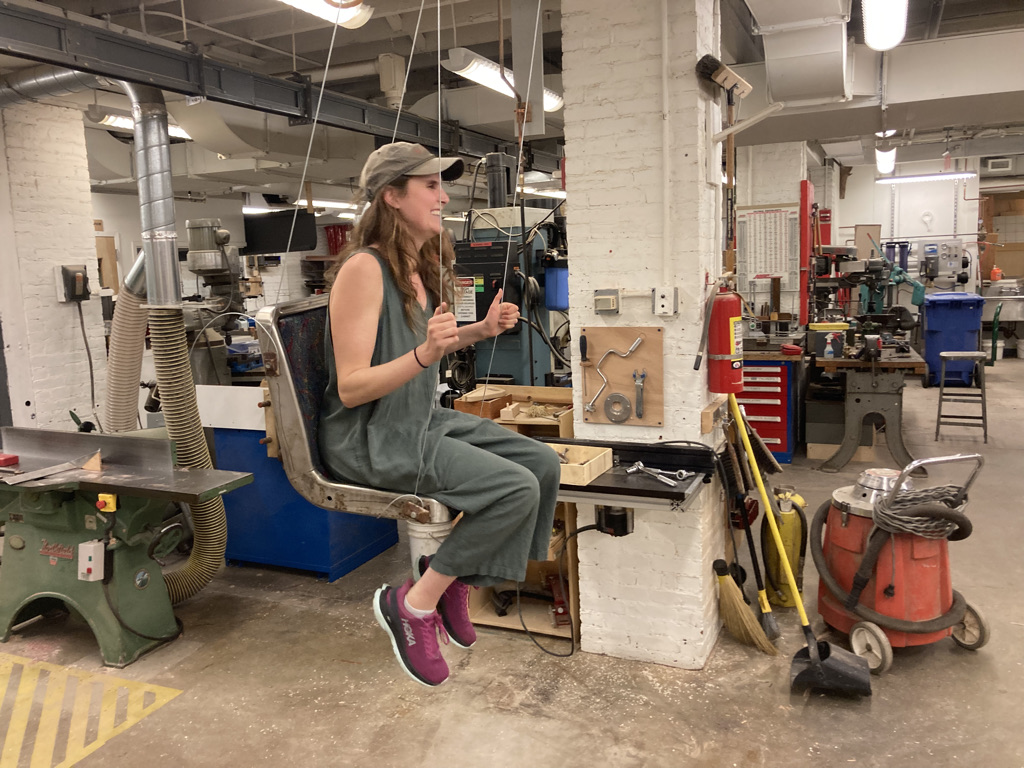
[648,357]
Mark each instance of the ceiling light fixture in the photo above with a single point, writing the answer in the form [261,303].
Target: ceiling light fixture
[350,14]
[475,67]
[885,160]
[885,23]
[927,177]
[885,134]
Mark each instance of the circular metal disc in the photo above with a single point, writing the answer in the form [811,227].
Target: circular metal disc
[617,408]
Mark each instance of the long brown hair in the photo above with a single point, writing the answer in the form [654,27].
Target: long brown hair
[383,227]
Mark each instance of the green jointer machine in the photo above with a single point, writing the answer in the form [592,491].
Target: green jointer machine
[84,528]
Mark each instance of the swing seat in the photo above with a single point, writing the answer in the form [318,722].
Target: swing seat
[291,337]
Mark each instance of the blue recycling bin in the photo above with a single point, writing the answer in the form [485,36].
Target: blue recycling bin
[952,323]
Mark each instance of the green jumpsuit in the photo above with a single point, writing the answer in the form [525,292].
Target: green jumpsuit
[505,483]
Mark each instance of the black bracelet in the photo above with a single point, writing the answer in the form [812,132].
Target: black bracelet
[417,358]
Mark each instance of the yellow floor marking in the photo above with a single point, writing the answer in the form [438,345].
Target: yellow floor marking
[42,730]
[46,736]
[19,717]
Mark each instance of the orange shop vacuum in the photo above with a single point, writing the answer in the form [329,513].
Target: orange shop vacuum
[883,562]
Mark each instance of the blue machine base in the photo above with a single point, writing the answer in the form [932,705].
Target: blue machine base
[269,523]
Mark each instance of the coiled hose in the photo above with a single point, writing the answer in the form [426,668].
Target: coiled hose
[951,618]
[124,362]
[181,413]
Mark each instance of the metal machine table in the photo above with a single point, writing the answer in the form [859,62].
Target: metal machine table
[873,388]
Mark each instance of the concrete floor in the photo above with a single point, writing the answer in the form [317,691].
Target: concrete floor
[279,669]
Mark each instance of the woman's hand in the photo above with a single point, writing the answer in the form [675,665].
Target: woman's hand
[442,334]
[500,316]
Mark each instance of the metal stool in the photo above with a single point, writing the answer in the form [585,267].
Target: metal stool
[963,397]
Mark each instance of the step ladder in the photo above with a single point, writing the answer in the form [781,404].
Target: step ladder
[958,395]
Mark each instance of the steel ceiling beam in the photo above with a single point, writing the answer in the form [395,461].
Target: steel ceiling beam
[45,34]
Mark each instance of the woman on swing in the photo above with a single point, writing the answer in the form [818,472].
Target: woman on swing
[390,324]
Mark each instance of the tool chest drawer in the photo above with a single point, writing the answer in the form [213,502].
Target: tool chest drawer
[768,400]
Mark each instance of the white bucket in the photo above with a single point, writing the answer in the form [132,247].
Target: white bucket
[425,538]
[986,346]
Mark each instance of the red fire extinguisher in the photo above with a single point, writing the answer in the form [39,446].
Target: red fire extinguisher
[725,343]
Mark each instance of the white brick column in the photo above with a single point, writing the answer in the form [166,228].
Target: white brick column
[46,220]
[651,595]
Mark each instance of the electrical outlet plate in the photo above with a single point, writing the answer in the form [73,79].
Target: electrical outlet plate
[665,301]
[606,301]
[72,282]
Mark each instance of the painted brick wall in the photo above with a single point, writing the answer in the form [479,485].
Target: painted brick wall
[770,173]
[46,217]
[648,596]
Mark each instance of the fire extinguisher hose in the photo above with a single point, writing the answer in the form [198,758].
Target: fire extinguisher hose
[951,618]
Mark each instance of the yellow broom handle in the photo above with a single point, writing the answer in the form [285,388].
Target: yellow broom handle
[741,426]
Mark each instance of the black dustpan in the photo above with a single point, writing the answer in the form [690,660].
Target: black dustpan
[823,667]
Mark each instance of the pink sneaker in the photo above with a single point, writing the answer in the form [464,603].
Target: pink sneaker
[454,609]
[413,640]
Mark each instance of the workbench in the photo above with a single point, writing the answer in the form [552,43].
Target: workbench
[872,387]
[616,487]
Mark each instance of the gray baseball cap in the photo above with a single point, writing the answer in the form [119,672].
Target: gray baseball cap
[403,158]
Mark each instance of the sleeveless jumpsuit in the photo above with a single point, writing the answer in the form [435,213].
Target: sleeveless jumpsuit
[505,483]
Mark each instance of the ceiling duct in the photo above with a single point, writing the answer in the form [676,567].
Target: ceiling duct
[805,49]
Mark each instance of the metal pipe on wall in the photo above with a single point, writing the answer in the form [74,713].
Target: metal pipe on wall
[156,195]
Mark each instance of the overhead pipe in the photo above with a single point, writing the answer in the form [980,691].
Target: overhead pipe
[167,332]
[46,81]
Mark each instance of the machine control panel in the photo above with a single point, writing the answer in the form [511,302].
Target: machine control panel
[90,561]
[941,258]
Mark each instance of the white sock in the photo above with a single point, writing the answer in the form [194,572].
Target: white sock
[415,611]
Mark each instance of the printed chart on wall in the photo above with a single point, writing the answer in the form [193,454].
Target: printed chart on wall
[767,247]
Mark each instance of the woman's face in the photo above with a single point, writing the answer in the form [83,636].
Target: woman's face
[420,206]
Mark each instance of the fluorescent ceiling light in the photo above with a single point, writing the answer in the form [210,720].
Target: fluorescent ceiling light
[556,193]
[927,177]
[326,204]
[125,123]
[475,67]
[335,11]
[330,204]
[885,160]
[885,23]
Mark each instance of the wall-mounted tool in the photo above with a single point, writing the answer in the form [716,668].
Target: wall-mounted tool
[639,339]
[638,383]
[584,361]
[617,408]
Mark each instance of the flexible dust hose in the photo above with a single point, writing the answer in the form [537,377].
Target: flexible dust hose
[124,362]
[181,412]
[951,618]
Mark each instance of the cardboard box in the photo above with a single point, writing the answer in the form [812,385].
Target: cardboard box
[586,462]
[1010,259]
